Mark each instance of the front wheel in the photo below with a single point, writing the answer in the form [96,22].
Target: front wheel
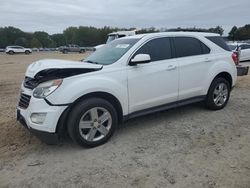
[92,122]
[65,51]
[11,52]
[218,94]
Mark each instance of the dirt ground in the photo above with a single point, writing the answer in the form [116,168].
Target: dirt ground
[185,147]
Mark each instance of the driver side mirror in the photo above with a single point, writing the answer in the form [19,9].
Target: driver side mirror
[140,59]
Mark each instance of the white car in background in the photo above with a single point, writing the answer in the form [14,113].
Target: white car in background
[244,50]
[17,50]
[116,35]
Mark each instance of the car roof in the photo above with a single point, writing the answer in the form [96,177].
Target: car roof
[238,43]
[241,43]
[13,46]
[129,33]
[180,33]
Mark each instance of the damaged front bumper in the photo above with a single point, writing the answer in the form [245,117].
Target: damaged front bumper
[43,126]
[46,137]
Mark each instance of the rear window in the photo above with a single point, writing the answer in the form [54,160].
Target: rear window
[245,46]
[220,42]
[189,46]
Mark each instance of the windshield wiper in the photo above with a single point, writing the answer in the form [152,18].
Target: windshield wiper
[93,62]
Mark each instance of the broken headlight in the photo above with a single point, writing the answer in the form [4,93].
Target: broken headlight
[46,88]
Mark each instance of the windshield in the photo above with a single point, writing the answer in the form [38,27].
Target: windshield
[111,38]
[111,52]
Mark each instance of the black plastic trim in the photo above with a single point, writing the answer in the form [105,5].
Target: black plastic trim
[49,103]
[61,127]
[131,63]
[46,137]
[242,70]
[164,107]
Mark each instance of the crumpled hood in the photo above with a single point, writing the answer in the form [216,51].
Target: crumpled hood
[59,65]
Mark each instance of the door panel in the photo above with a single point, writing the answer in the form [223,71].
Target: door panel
[193,71]
[76,48]
[152,85]
[20,50]
[245,54]
[155,83]
[194,61]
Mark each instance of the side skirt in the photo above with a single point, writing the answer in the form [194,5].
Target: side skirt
[164,107]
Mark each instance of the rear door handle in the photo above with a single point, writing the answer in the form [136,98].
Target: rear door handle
[171,67]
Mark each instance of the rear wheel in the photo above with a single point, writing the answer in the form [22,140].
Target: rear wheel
[218,94]
[92,122]
[82,51]
[27,52]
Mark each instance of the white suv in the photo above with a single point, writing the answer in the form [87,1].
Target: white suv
[128,77]
[17,49]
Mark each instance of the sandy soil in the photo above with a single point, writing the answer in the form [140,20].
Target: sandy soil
[184,147]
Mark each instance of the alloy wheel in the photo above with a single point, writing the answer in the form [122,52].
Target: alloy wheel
[220,94]
[95,124]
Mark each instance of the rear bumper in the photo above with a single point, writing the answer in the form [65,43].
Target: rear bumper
[242,70]
[46,137]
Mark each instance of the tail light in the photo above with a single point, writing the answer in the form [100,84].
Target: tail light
[235,58]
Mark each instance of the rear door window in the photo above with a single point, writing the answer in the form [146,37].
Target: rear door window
[220,42]
[245,46]
[205,49]
[158,49]
[189,46]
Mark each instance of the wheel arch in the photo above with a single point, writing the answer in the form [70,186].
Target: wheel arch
[221,74]
[107,96]
[227,76]
[62,122]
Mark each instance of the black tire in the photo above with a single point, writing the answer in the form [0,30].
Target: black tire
[82,51]
[11,52]
[82,108]
[210,103]
[27,52]
[65,51]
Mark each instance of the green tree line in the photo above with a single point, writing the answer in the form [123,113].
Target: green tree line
[217,29]
[91,36]
[241,33]
[83,36]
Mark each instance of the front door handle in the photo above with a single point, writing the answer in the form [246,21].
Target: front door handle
[171,67]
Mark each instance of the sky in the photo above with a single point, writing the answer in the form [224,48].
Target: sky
[53,16]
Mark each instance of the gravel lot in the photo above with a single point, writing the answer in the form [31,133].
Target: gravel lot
[184,147]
